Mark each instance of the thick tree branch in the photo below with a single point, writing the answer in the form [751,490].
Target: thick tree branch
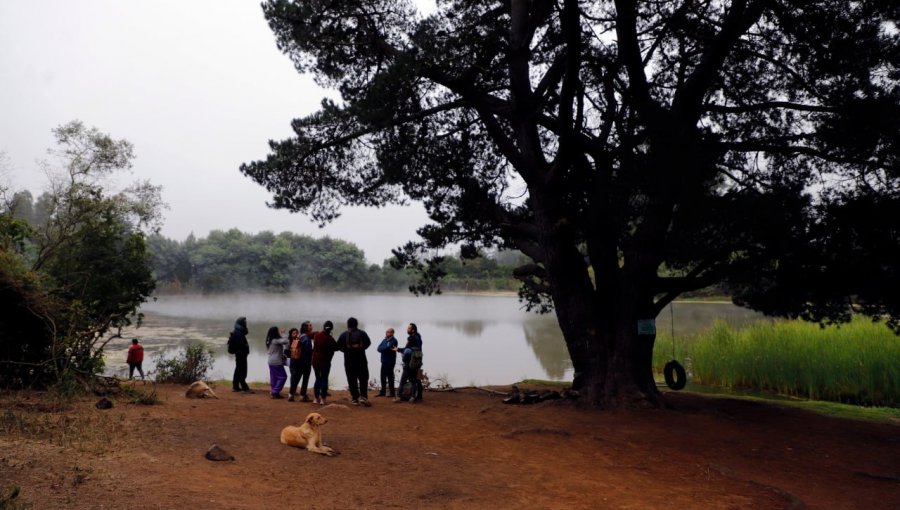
[630,53]
[677,17]
[703,275]
[399,120]
[774,148]
[687,100]
[769,105]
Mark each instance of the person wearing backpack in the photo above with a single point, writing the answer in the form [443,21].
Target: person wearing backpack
[412,365]
[238,345]
[301,347]
[353,343]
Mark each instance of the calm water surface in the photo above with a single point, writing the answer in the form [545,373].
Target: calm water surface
[467,339]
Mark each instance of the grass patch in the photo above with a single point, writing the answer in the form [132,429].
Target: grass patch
[834,409]
[542,382]
[855,363]
[75,423]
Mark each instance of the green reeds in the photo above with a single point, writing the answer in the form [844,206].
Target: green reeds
[857,363]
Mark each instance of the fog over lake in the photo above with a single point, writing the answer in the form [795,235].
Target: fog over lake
[467,339]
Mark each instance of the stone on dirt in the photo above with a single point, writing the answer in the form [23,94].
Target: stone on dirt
[218,454]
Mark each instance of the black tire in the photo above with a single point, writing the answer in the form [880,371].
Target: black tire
[676,378]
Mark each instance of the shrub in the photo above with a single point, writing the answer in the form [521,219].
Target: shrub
[191,365]
[136,396]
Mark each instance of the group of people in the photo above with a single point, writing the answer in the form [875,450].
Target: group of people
[305,351]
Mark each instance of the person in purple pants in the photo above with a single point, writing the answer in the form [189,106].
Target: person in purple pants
[275,346]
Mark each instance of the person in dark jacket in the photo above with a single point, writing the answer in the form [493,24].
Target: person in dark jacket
[353,343]
[409,374]
[388,350]
[301,345]
[241,351]
[324,346]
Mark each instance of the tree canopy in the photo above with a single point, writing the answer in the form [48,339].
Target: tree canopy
[235,261]
[632,151]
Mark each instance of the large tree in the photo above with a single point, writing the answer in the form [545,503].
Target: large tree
[79,266]
[632,150]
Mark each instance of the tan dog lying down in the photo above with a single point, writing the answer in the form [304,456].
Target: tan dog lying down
[308,435]
[199,389]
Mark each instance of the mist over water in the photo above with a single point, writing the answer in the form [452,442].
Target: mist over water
[467,339]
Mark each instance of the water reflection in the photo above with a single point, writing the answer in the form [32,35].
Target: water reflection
[467,328]
[546,340]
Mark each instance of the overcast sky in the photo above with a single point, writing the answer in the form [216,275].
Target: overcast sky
[197,86]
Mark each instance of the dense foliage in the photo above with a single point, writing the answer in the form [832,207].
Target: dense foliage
[237,261]
[854,363]
[748,141]
[191,364]
[74,264]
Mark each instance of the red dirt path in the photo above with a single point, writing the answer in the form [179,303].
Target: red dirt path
[461,450]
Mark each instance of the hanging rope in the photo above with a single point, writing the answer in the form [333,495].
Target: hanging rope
[672,317]
[676,378]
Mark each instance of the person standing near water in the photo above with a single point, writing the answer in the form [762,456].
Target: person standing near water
[388,350]
[412,366]
[324,346]
[238,345]
[353,343]
[135,359]
[275,349]
[301,359]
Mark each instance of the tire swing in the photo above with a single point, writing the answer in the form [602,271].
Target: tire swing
[676,377]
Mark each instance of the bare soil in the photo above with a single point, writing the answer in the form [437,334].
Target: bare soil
[463,449]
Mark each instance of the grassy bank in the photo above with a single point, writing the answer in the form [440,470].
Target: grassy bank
[856,363]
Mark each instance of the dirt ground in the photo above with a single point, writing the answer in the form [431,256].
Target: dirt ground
[463,449]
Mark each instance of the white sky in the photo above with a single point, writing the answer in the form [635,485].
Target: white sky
[197,86]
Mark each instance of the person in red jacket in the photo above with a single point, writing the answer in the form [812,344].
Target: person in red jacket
[135,358]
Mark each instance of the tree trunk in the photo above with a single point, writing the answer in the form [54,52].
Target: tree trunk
[612,356]
[625,376]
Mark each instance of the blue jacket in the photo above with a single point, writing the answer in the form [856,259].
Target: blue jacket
[388,354]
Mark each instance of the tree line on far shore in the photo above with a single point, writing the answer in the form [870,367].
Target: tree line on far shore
[232,260]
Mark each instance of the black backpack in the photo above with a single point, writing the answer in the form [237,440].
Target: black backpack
[232,348]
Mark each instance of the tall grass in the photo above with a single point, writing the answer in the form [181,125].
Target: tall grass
[856,363]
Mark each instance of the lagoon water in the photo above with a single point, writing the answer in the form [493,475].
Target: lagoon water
[468,339]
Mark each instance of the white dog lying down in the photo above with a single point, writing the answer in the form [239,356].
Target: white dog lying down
[308,435]
[199,389]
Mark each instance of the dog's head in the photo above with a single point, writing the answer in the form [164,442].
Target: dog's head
[315,420]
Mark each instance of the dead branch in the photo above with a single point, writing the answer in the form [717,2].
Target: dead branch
[486,390]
